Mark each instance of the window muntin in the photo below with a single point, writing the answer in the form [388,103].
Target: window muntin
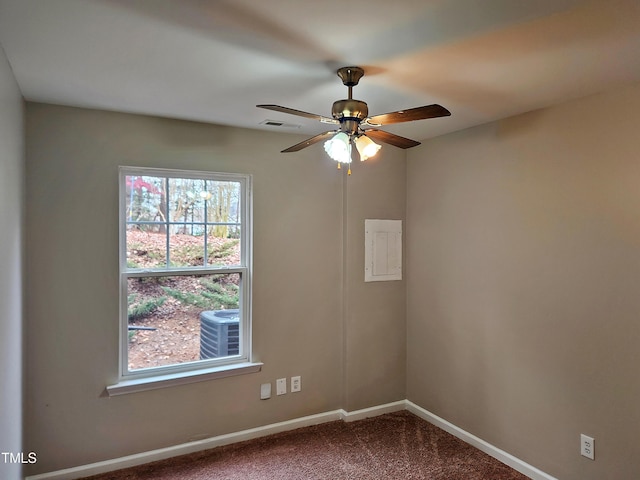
[185,250]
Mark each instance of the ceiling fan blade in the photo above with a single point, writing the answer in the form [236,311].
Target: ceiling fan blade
[310,141]
[418,113]
[390,138]
[300,113]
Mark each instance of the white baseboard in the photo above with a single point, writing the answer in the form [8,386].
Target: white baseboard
[192,447]
[186,448]
[506,458]
[373,411]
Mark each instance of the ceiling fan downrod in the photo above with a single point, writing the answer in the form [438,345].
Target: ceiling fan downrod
[350,77]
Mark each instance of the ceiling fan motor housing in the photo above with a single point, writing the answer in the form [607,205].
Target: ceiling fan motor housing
[350,113]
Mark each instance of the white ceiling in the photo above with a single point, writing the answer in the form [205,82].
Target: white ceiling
[214,60]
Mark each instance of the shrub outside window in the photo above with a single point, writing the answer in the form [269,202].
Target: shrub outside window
[185,259]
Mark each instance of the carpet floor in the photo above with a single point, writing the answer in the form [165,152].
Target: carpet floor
[394,446]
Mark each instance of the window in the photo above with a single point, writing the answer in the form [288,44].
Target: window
[185,277]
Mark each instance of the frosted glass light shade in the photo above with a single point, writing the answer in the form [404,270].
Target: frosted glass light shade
[338,148]
[367,148]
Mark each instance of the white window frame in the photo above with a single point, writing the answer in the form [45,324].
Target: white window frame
[156,377]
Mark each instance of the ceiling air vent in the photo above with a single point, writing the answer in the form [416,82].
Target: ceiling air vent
[279,124]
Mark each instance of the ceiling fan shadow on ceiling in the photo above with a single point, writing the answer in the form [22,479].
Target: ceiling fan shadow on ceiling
[356,127]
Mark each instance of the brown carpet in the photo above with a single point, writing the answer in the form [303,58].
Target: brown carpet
[394,446]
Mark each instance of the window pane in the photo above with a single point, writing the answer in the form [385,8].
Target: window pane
[223,251]
[223,203]
[145,249]
[186,250]
[145,201]
[178,319]
[186,205]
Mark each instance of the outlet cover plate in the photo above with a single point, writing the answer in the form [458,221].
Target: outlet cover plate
[265,391]
[296,386]
[587,446]
[281,386]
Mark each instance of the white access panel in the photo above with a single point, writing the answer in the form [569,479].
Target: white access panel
[382,250]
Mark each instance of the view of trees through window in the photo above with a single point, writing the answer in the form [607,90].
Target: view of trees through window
[204,211]
[182,230]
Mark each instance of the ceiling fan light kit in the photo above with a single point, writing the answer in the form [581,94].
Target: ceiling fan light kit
[353,119]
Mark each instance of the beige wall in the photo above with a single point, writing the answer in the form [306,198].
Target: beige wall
[11,264]
[303,323]
[523,285]
[375,312]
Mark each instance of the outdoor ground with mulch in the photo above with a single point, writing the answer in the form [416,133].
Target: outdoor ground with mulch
[175,324]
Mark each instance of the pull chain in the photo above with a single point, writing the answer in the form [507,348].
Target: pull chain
[348,171]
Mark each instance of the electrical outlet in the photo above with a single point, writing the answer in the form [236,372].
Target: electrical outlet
[281,386]
[296,386]
[587,446]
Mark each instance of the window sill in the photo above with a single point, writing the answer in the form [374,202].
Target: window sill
[182,378]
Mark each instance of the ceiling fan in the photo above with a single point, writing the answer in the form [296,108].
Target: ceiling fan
[355,124]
